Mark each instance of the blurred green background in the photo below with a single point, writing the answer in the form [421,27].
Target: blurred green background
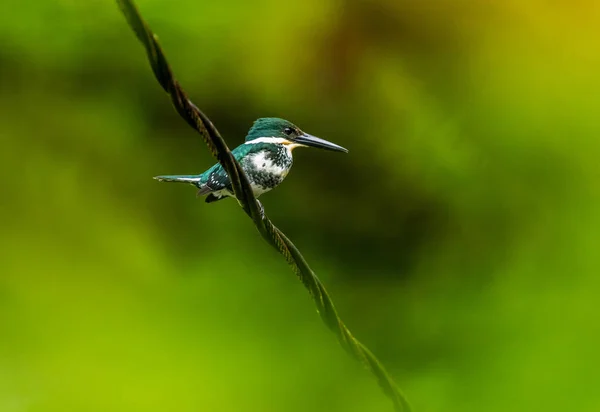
[459,237]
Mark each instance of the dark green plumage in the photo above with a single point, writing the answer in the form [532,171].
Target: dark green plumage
[270,127]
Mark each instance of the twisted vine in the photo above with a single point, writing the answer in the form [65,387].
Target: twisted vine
[245,197]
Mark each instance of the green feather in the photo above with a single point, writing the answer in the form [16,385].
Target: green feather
[269,127]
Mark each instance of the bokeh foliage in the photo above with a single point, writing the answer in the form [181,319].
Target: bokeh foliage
[459,238]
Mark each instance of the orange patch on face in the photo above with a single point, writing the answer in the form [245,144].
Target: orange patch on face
[291,145]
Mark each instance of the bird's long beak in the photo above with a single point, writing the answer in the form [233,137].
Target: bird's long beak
[310,140]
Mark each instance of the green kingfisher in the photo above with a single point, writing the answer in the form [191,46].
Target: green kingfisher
[266,157]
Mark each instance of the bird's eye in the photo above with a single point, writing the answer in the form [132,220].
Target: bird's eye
[288,131]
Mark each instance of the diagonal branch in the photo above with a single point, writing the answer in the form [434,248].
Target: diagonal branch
[245,197]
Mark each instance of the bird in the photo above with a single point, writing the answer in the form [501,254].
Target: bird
[265,157]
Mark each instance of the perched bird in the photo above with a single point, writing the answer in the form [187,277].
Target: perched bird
[266,158]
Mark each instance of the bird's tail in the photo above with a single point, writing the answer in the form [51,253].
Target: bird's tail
[192,179]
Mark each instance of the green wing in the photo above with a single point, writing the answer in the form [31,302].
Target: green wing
[216,178]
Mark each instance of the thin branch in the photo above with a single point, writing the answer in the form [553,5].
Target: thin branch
[245,197]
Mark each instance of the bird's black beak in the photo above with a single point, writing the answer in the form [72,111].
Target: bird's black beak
[312,141]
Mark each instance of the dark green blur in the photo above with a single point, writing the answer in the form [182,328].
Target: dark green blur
[459,238]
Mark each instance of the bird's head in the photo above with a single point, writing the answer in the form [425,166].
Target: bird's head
[277,130]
